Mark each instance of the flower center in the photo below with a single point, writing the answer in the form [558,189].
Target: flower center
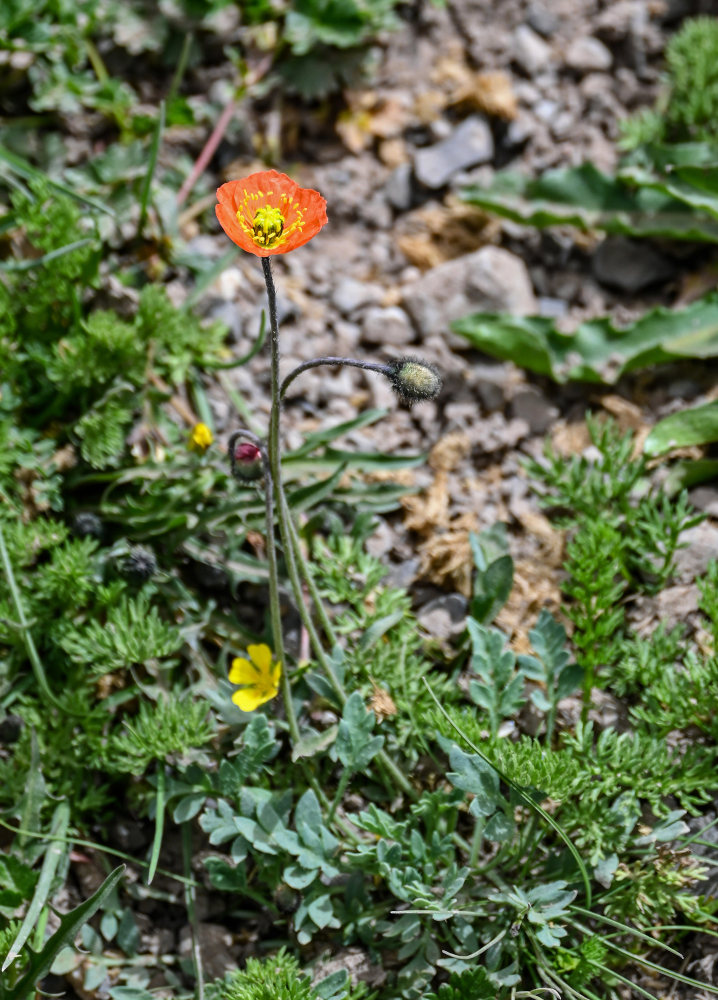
[267,227]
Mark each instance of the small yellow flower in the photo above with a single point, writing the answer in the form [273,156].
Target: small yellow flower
[201,438]
[258,676]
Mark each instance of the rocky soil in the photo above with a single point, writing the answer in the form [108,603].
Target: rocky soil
[459,92]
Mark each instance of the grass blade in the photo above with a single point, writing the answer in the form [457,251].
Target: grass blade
[53,854]
[159,823]
[152,165]
[26,170]
[30,265]
[526,799]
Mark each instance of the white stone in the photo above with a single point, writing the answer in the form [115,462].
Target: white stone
[530,50]
[587,55]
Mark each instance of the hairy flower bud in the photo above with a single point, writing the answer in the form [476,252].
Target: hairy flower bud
[246,461]
[139,565]
[414,379]
[85,524]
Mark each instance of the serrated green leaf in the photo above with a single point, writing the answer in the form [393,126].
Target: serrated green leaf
[639,204]
[598,351]
[355,745]
[70,924]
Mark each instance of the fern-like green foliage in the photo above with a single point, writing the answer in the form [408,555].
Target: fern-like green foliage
[133,633]
[169,728]
[590,777]
[267,979]
[472,984]
[687,111]
[86,370]
[384,645]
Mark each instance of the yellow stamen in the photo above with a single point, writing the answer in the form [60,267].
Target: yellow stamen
[267,225]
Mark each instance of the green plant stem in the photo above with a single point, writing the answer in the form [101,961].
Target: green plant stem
[96,61]
[93,844]
[294,556]
[341,788]
[294,560]
[311,584]
[588,677]
[274,490]
[159,822]
[33,656]
[275,610]
[189,896]
[181,66]
[476,843]
[370,366]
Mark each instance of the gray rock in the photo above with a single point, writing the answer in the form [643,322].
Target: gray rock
[542,20]
[530,51]
[496,433]
[531,405]
[378,214]
[629,265]
[490,279]
[351,294]
[705,498]
[347,336]
[387,326]
[491,395]
[382,541]
[230,315]
[469,144]
[701,546]
[675,604]
[546,110]
[519,131]
[586,55]
[398,189]
[552,308]
[444,617]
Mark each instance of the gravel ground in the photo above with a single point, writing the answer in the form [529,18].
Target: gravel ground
[459,92]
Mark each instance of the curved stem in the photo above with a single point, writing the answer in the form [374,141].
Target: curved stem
[24,627]
[370,366]
[275,487]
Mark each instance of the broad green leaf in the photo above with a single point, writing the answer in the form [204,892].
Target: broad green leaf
[639,204]
[598,351]
[698,425]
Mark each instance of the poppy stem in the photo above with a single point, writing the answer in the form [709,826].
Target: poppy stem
[292,551]
[273,475]
[371,366]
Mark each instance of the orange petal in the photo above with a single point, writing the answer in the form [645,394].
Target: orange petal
[270,185]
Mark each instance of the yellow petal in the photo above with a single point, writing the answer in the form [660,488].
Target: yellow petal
[250,698]
[261,654]
[243,672]
[276,674]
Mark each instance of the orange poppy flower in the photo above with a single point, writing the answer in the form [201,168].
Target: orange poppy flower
[267,213]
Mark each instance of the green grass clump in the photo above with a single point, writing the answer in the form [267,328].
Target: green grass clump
[688,109]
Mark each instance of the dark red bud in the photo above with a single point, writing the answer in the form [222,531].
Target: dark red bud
[246,460]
